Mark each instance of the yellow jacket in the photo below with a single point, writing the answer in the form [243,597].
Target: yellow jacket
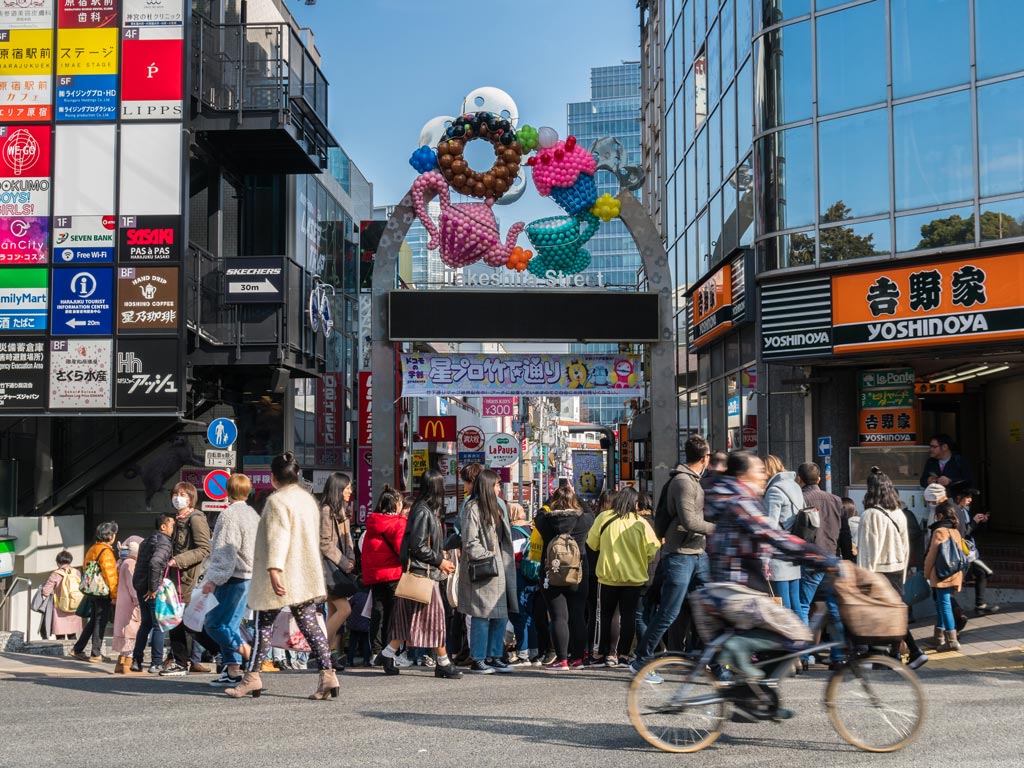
[626,545]
[104,554]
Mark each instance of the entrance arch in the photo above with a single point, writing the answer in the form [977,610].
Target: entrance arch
[664,401]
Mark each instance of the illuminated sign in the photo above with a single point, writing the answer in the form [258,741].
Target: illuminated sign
[437,428]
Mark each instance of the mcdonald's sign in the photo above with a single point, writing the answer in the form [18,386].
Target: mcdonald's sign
[438,429]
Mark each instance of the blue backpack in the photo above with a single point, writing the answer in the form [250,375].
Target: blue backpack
[950,560]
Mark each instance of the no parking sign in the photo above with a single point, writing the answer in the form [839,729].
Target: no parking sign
[215,484]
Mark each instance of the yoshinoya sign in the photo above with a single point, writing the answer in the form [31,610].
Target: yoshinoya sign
[501,450]
[147,375]
[969,300]
[719,302]
[149,238]
[254,281]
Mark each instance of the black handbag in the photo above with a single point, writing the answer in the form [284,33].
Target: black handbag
[483,569]
[339,583]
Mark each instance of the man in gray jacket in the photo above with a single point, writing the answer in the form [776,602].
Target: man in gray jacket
[682,510]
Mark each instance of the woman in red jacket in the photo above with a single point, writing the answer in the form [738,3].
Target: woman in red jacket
[382,568]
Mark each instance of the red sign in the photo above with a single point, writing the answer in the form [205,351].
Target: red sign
[260,479]
[749,437]
[329,398]
[365,408]
[86,14]
[215,484]
[499,406]
[24,151]
[471,439]
[151,70]
[438,429]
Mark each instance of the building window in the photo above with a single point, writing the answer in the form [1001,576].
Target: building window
[786,172]
[853,162]
[851,67]
[997,26]
[777,11]
[744,34]
[938,229]
[1002,219]
[745,109]
[934,153]
[783,67]
[855,241]
[1000,138]
[794,250]
[930,45]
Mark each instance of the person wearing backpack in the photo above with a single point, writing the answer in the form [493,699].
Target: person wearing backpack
[65,584]
[99,584]
[625,544]
[563,526]
[127,614]
[679,522]
[944,569]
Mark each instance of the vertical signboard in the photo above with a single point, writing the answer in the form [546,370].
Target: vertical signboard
[23,375]
[147,375]
[330,399]
[26,60]
[80,374]
[147,299]
[151,73]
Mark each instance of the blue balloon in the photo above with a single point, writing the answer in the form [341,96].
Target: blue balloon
[423,159]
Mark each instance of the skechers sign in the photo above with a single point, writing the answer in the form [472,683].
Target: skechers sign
[149,238]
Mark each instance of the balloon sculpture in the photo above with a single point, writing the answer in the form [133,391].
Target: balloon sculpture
[468,232]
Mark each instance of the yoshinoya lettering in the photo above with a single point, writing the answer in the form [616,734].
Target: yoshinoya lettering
[787,340]
[927,327]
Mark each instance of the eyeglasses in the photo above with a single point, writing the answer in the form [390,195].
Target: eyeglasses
[933,445]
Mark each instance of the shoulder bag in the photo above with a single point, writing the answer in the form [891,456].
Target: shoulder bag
[412,586]
[339,583]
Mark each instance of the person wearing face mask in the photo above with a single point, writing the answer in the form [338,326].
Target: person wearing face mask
[190,546]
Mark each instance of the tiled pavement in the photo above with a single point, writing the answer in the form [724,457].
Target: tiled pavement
[987,643]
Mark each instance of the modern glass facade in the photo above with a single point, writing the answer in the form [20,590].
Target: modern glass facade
[613,110]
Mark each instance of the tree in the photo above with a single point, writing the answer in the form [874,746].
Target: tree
[952,230]
[840,243]
[996,225]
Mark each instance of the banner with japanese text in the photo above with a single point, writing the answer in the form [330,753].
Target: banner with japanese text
[489,374]
[588,473]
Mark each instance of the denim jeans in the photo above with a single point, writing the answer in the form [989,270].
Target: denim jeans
[809,581]
[944,607]
[522,622]
[487,638]
[147,626]
[223,622]
[789,591]
[677,572]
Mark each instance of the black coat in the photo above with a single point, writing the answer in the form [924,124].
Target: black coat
[957,470]
[422,545]
[151,565]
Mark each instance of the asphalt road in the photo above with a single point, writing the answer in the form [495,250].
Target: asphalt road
[524,719]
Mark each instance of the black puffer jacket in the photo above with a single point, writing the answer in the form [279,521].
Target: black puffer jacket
[423,542]
[154,553]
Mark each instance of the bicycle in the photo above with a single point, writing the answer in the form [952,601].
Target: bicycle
[874,702]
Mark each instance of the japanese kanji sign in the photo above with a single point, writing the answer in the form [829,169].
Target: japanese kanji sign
[484,374]
[26,61]
[888,409]
[964,301]
[26,14]
[712,307]
[147,299]
[887,426]
[80,373]
[23,374]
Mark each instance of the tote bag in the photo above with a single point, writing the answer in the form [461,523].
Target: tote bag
[199,605]
[287,635]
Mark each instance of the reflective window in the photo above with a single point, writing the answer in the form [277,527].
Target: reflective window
[744,177]
[727,22]
[702,169]
[775,11]
[690,240]
[700,76]
[714,59]
[997,26]
[1002,219]
[930,45]
[848,75]
[744,109]
[853,158]
[786,172]
[703,244]
[824,5]
[691,184]
[934,156]
[700,21]
[728,238]
[715,228]
[1001,137]
[793,250]
[855,241]
[743,31]
[953,226]
[715,151]
[680,130]
[784,66]
[729,129]
[687,37]
[690,102]
[670,204]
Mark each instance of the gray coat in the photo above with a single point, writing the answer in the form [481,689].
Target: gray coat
[780,500]
[497,597]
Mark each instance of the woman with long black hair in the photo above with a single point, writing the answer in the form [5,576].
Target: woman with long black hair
[422,625]
[339,556]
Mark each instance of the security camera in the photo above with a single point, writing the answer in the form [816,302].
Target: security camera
[804,389]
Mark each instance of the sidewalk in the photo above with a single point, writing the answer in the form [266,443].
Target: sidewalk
[33,665]
[987,643]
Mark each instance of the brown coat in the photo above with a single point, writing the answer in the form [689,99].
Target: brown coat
[940,535]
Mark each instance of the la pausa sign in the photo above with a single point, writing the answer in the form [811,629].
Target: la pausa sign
[501,450]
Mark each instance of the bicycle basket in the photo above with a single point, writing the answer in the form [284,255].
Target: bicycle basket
[871,610]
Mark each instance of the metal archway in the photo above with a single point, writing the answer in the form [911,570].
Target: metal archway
[664,401]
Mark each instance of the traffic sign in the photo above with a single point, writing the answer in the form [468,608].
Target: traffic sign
[254,281]
[222,433]
[223,459]
[214,506]
[825,446]
[215,484]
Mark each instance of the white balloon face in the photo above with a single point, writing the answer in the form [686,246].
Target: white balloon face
[491,99]
[433,130]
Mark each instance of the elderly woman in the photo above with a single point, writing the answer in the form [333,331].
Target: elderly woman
[66,623]
[487,584]
[127,616]
[100,590]
[286,573]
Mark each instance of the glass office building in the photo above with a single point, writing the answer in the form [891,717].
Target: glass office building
[840,185]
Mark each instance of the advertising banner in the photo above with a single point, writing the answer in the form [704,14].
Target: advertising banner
[26,64]
[888,412]
[330,399]
[365,408]
[440,429]
[86,14]
[23,375]
[23,299]
[147,299]
[24,240]
[588,473]
[83,239]
[24,151]
[27,14]
[711,307]
[501,450]
[25,197]
[86,97]
[149,238]
[432,374]
[143,13]
[364,483]
[86,52]
[83,301]
[147,373]
[887,426]
[80,373]
[151,73]
[499,406]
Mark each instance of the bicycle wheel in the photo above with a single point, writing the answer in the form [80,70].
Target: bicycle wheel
[877,706]
[681,714]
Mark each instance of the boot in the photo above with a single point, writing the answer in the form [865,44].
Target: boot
[123,665]
[937,636]
[328,687]
[250,684]
[951,642]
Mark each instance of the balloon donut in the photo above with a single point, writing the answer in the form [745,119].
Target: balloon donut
[492,184]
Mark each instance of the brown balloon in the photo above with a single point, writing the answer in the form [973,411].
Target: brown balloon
[492,183]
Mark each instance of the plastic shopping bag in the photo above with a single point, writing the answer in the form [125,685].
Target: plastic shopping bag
[199,605]
[286,634]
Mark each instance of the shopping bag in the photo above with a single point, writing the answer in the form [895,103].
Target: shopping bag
[168,607]
[199,605]
[285,633]
[39,600]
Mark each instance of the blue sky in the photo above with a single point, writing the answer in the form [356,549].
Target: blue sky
[394,64]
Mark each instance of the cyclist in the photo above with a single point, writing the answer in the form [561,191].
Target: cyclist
[738,594]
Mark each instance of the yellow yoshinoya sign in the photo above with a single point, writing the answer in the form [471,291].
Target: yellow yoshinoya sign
[86,52]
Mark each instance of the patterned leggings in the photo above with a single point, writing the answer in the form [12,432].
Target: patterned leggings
[305,618]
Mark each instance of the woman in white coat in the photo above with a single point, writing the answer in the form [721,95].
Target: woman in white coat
[783,499]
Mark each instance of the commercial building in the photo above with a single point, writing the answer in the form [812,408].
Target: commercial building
[189,250]
[840,186]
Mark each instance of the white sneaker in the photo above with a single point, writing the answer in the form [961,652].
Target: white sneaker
[402,660]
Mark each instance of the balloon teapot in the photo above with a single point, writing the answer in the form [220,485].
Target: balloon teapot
[468,232]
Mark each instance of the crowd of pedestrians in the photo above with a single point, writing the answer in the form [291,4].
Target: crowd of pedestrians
[487,590]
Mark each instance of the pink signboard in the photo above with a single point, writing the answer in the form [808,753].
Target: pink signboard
[499,406]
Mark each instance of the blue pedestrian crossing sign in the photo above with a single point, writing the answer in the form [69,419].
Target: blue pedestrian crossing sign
[825,446]
[222,433]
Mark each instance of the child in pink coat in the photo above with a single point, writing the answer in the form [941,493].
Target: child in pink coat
[126,611]
[66,625]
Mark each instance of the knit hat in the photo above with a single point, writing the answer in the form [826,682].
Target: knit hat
[934,493]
